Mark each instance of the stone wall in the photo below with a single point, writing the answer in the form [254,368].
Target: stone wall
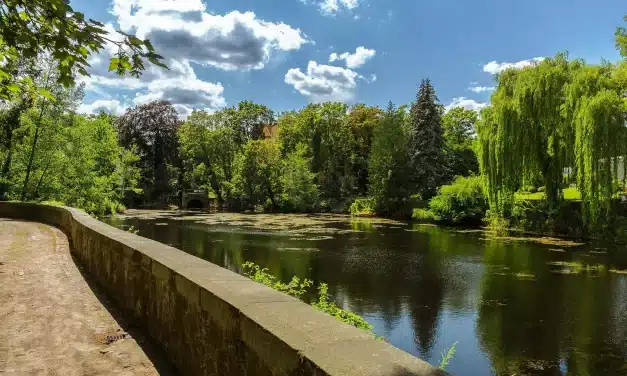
[211,321]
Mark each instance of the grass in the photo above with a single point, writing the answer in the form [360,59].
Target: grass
[570,194]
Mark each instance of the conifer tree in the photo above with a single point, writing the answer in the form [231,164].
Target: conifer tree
[426,144]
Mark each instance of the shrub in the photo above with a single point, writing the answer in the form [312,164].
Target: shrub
[363,207]
[463,201]
[420,214]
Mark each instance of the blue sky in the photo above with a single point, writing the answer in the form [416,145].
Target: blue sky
[278,52]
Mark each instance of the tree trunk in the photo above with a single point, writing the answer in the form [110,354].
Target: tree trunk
[41,178]
[30,160]
[4,176]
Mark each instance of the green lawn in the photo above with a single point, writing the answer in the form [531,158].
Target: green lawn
[571,194]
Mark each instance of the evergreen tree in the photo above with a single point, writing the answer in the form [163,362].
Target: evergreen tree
[426,144]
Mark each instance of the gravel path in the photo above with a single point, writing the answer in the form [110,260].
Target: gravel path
[51,321]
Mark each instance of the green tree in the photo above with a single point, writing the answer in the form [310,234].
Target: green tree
[206,140]
[298,183]
[61,99]
[426,144]
[30,28]
[362,121]
[249,119]
[151,129]
[621,39]
[388,167]
[326,132]
[459,127]
[550,116]
[256,174]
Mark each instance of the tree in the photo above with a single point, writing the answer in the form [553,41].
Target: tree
[426,144]
[209,142]
[550,116]
[61,99]
[152,130]
[388,167]
[361,121]
[621,39]
[256,174]
[249,119]
[10,123]
[298,183]
[30,28]
[459,124]
[324,129]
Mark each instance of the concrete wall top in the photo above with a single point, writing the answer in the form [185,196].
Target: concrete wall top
[186,304]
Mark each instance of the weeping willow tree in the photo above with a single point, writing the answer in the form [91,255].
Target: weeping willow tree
[594,103]
[524,134]
[545,118]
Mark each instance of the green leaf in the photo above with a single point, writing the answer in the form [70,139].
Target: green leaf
[46,94]
[13,87]
[125,63]
[114,64]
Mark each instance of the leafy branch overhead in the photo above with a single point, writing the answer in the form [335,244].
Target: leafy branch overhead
[29,28]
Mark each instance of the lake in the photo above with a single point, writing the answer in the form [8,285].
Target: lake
[514,307]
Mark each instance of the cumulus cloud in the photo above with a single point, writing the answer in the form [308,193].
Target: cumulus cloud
[481,89]
[332,7]
[495,67]
[186,95]
[323,82]
[185,30]
[112,106]
[354,60]
[467,103]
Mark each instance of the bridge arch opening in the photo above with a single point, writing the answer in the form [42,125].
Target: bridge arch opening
[195,204]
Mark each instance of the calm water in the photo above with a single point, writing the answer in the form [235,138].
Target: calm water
[509,305]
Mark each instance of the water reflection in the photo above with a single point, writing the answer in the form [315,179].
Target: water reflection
[514,308]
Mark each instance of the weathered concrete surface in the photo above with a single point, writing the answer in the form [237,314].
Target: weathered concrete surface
[211,321]
[51,322]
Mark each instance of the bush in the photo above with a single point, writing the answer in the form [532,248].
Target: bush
[462,202]
[363,207]
[420,214]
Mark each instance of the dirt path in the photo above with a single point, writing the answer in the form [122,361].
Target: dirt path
[51,322]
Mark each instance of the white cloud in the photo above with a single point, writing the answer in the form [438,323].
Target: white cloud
[183,29]
[186,95]
[495,67]
[481,89]
[355,60]
[331,7]
[467,103]
[184,32]
[112,106]
[323,82]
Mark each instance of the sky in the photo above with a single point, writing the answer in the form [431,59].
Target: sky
[288,53]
